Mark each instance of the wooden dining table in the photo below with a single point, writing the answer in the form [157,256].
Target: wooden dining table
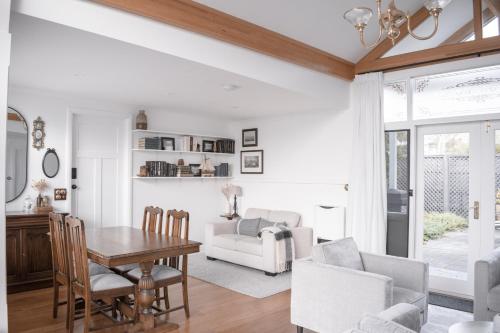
[116,246]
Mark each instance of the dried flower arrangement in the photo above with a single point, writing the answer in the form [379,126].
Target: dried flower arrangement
[40,186]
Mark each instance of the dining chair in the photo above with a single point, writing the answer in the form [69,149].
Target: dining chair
[172,270]
[152,221]
[60,264]
[107,286]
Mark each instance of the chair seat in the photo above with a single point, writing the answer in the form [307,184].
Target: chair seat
[403,295]
[493,299]
[159,272]
[103,282]
[126,268]
[96,269]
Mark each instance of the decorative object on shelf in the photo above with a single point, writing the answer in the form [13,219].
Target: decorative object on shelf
[207,169]
[141,121]
[168,143]
[60,194]
[180,162]
[250,137]
[16,157]
[143,171]
[195,170]
[38,133]
[227,191]
[208,146]
[252,162]
[28,204]
[42,202]
[50,163]
[232,191]
[391,20]
[183,170]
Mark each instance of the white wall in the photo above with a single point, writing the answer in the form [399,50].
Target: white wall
[306,162]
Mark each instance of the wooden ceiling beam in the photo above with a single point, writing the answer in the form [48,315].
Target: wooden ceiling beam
[468,29]
[494,6]
[437,54]
[383,47]
[195,17]
[478,19]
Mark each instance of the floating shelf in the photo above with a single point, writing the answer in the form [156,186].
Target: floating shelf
[180,134]
[178,178]
[180,152]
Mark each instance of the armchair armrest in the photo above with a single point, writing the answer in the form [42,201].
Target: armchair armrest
[486,276]
[303,241]
[328,298]
[406,273]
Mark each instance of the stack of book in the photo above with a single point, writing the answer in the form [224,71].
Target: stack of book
[224,146]
[184,171]
[222,170]
[190,143]
[161,169]
[149,143]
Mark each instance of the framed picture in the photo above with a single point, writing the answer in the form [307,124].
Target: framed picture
[195,170]
[252,162]
[208,146]
[168,144]
[250,137]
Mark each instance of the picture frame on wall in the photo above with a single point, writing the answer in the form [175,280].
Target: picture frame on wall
[252,162]
[168,144]
[208,146]
[250,137]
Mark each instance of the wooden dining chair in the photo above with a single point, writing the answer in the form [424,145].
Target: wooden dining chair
[171,270]
[108,286]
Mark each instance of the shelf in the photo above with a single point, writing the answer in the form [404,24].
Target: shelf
[180,134]
[180,152]
[178,178]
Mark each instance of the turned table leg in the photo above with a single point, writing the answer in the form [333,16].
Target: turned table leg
[146,296]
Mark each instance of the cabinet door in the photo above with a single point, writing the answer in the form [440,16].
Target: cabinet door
[36,253]
[13,247]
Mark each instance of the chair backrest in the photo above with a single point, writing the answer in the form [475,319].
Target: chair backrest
[177,226]
[59,245]
[153,219]
[77,253]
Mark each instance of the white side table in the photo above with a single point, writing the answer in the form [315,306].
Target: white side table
[472,327]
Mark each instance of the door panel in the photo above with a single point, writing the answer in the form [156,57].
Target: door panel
[13,248]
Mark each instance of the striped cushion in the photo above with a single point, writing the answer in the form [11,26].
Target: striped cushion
[248,227]
[159,272]
[104,282]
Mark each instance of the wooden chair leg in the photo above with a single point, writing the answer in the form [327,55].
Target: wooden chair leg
[68,306]
[166,299]
[113,308]
[71,307]
[88,315]
[55,304]
[158,297]
[185,297]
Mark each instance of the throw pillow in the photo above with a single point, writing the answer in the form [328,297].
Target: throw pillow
[343,253]
[248,227]
[265,223]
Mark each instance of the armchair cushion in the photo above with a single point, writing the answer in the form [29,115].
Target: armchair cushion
[493,299]
[342,253]
[404,314]
[249,227]
[375,324]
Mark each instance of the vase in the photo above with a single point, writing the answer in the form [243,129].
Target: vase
[141,121]
[39,200]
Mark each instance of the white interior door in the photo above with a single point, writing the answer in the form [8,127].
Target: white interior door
[98,156]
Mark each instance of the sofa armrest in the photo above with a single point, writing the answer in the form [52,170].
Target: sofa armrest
[214,229]
[406,273]
[328,298]
[303,241]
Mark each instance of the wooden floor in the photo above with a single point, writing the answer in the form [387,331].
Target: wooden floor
[213,309]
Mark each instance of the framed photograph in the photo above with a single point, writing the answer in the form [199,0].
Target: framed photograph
[208,146]
[250,137]
[195,170]
[252,162]
[168,144]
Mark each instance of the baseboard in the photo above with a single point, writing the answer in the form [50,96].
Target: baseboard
[451,302]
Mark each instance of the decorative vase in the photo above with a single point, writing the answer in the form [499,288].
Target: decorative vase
[28,204]
[39,200]
[141,121]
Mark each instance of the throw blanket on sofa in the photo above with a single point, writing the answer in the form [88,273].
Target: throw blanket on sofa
[285,251]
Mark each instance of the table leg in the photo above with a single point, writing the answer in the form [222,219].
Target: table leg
[146,296]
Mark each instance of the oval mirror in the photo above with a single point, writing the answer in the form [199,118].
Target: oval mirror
[16,161]
[50,163]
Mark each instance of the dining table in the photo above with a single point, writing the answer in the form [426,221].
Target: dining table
[114,246]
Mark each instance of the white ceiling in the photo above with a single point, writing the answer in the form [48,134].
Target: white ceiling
[54,57]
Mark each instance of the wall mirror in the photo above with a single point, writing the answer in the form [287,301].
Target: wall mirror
[50,163]
[16,163]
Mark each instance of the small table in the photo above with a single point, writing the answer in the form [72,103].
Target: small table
[472,327]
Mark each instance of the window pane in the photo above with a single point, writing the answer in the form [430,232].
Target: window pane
[395,102]
[456,94]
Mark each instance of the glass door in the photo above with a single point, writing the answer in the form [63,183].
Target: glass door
[448,204]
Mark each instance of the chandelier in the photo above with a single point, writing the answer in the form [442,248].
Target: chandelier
[391,20]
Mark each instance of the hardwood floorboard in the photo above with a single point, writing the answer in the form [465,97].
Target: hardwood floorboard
[213,310]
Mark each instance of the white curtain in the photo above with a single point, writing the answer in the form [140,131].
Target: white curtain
[367,205]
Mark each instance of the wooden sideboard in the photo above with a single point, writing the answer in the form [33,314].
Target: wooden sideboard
[29,258]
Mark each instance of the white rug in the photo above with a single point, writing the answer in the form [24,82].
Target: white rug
[244,280]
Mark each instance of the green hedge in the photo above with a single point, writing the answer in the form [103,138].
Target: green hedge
[437,224]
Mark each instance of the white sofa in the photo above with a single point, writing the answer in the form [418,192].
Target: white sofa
[222,241]
[487,287]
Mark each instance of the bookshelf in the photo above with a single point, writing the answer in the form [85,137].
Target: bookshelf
[180,178]
[180,152]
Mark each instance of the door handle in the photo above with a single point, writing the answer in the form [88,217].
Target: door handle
[74,187]
[475,207]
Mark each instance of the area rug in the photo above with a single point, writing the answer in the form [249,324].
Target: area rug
[440,319]
[244,280]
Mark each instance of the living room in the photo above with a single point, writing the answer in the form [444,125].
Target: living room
[269,158]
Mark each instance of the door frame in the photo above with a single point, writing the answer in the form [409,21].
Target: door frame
[126,118]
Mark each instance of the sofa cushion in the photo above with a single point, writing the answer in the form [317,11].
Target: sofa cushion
[225,241]
[265,224]
[291,219]
[249,245]
[342,252]
[248,227]
[253,213]
[493,299]
[403,295]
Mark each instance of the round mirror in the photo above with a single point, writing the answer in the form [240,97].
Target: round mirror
[16,162]
[50,163]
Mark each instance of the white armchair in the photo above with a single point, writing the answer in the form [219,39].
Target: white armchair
[223,242]
[487,287]
[329,298]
